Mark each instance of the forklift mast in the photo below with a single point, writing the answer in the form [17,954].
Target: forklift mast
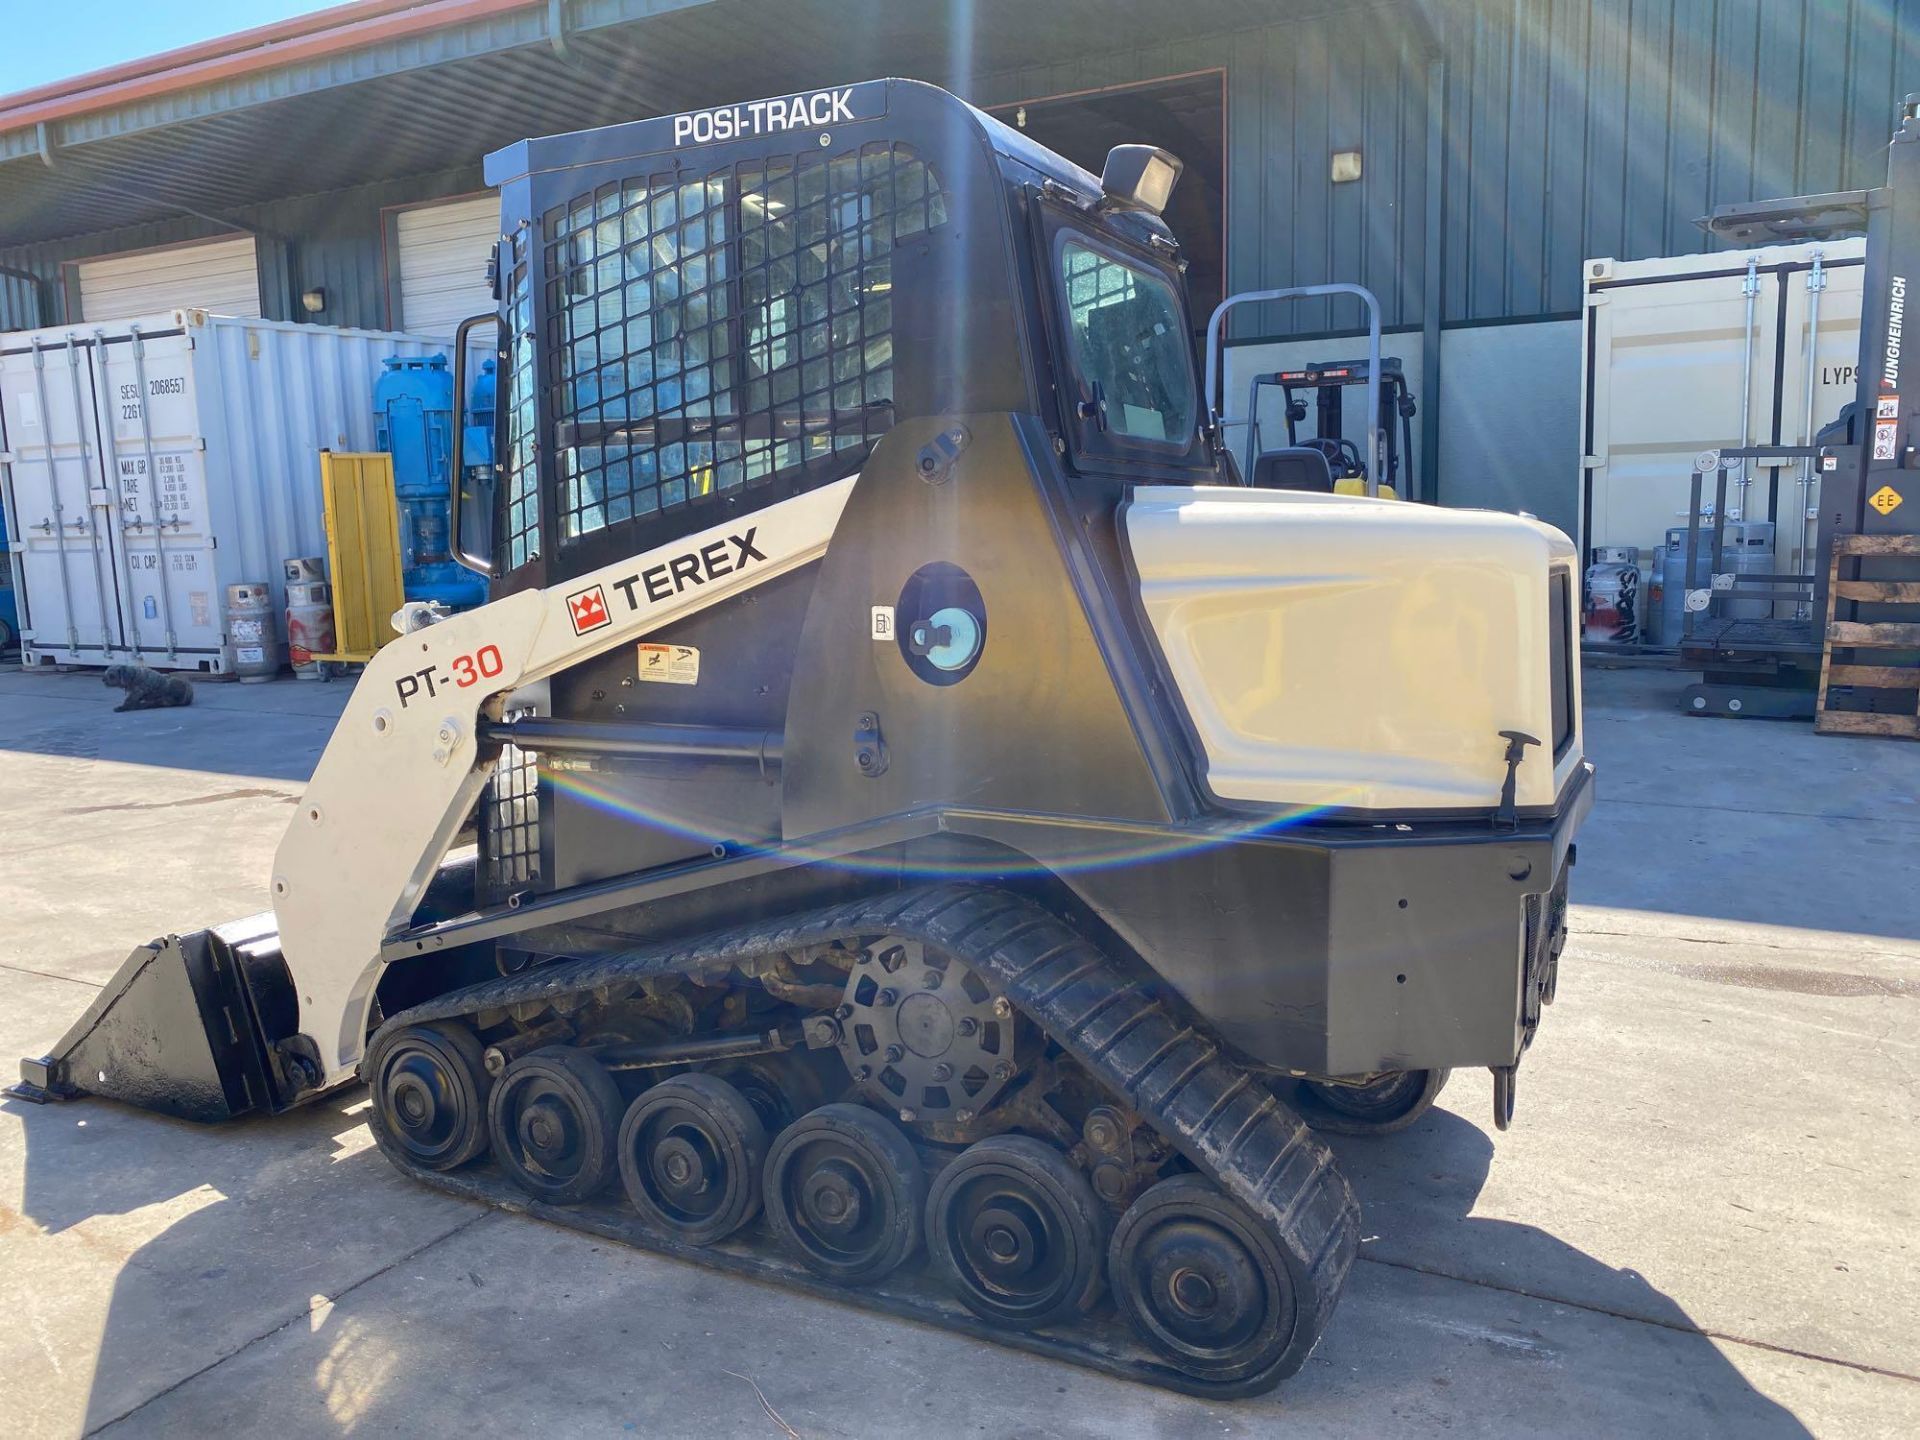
[1869,486]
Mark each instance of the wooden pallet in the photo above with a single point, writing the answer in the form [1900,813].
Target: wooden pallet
[1889,680]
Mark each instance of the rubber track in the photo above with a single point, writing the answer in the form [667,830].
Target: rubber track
[1222,1118]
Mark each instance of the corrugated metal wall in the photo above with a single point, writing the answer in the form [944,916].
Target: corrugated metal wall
[1574,128]
[331,241]
[1297,90]
[1583,128]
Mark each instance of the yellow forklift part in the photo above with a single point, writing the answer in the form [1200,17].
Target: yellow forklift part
[363,552]
[1357,485]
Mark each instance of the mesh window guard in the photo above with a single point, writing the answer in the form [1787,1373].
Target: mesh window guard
[724,331]
[510,828]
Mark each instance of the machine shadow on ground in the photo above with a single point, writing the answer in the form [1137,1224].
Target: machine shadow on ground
[1417,1191]
[275,1176]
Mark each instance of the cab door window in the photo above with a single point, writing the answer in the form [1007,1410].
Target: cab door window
[1129,350]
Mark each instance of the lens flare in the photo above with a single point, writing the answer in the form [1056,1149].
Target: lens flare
[1094,844]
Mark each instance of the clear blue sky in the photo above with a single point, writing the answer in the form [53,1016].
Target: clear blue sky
[45,40]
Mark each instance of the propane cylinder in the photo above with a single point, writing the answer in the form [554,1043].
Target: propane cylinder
[309,625]
[304,570]
[1613,597]
[253,645]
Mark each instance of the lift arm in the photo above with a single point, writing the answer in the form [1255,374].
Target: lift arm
[404,767]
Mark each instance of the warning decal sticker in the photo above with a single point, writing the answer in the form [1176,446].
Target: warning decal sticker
[1886,499]
[670,664]
[1885,437]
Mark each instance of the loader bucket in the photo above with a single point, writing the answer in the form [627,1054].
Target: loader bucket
[202,1026]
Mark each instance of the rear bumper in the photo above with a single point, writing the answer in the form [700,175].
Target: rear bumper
[1363,950]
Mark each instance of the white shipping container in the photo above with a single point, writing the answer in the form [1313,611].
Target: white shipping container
[149,464]
[1679,351]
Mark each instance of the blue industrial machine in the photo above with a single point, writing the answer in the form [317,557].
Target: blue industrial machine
[9,611]
[413,412]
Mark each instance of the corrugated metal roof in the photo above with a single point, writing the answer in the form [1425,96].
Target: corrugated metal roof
[444,97]
[1572,128]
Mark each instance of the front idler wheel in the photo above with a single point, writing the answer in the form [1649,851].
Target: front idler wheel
[1202,1282]
[1018,1232]
[844,1190]
[553,1118]
[429,1086]
[691,1151]
[1381,1107]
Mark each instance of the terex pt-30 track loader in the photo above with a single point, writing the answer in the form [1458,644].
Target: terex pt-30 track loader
[922,801]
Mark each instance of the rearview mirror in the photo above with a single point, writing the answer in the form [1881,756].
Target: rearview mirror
[475,476]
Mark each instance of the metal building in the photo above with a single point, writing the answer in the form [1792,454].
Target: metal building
[325,169]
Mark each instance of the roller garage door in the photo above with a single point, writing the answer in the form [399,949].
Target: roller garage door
[221,276]
[443,263]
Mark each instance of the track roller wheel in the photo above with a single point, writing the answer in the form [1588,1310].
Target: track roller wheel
[1018,1232]
[844,1190]
[1388,1104]
[781,1088]
[553,1118]
[691,1151]
[429,1087]
[1202,1282]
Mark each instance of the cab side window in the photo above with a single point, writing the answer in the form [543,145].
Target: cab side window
[1123,323]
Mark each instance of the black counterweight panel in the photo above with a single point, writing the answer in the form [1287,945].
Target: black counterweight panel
[609,816]
[1037,724]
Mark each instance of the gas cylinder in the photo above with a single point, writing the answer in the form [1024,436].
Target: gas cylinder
[309,625]
[253,646]
[1613,597]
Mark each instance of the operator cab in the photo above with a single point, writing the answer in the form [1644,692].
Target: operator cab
[704,314]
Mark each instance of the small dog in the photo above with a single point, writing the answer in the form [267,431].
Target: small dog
[146,689]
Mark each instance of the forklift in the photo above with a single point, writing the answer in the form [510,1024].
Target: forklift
[1846,650]
[861,842]
[1327,381]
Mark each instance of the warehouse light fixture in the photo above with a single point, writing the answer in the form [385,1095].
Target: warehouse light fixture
[313,301]
[1346,166]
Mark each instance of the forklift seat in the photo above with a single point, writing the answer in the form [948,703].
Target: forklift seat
[1297,468]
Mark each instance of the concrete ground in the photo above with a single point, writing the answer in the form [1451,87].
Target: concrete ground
[1704,1221]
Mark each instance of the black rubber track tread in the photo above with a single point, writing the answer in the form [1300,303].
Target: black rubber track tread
[1226,1123]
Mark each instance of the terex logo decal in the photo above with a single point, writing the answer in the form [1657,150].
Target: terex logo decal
[588,610]
[696,567]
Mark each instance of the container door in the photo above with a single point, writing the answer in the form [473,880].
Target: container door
[1829,360]
[1668,359]
[158,457]
[65,508]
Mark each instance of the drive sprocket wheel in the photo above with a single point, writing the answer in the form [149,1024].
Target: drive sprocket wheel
[1018,1232]
[553,1119]
[691,1151]
[844,1191]
[430,1086]
[1202,1282]
[1390,1103]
